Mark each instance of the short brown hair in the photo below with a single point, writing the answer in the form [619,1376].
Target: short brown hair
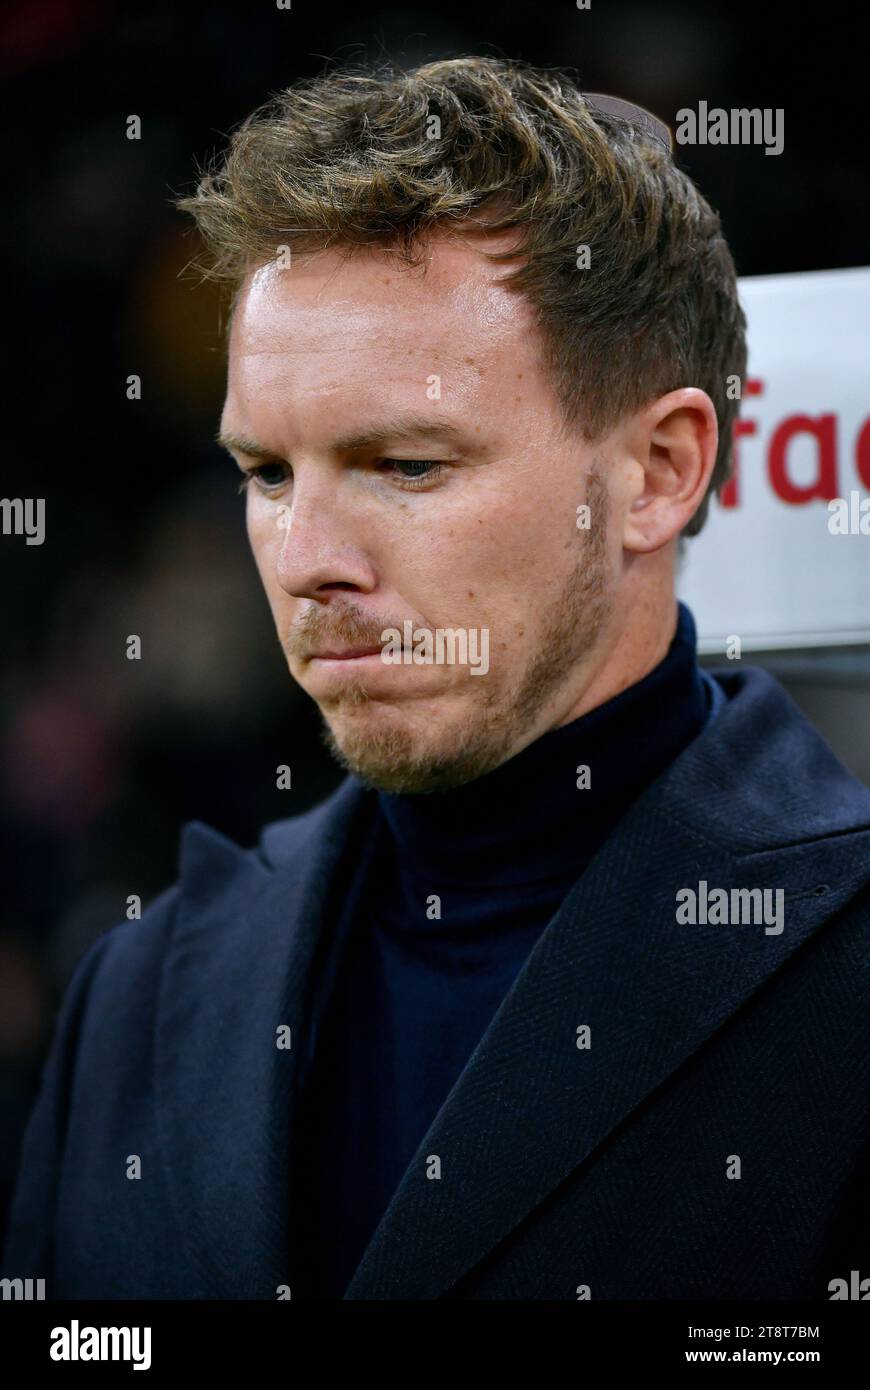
[344,158]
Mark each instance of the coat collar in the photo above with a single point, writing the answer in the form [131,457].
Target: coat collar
[756,801]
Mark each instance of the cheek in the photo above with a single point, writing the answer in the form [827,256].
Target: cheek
[484,568]
[512,541]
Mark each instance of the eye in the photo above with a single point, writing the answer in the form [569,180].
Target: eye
[421,472]
[268,475]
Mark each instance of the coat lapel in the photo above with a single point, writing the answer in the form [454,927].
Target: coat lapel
[530,1107]
[243,962]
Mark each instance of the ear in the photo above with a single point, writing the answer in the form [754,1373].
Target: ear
[673,444]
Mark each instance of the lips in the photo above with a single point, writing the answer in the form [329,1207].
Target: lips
[345,653]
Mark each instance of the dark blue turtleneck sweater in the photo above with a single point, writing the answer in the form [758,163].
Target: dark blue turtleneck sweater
[415,992]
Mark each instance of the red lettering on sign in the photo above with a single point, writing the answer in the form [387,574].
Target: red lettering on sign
[862,454]
[823,430]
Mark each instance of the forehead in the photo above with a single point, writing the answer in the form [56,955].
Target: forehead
[332,318]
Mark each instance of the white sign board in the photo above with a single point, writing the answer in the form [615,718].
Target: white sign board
[780,563]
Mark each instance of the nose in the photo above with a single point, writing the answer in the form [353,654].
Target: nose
[321,546]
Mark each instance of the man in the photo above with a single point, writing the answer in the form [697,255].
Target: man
[562,993]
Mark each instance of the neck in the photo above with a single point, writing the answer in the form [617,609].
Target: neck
[635,641]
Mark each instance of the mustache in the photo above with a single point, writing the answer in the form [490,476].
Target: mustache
[349,627]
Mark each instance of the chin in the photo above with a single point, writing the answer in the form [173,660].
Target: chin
[412,754]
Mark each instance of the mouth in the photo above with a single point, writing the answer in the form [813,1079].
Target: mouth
[345,654]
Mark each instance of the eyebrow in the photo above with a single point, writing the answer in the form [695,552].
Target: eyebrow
[402,427]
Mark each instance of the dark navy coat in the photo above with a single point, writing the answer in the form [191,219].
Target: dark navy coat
[562,1168]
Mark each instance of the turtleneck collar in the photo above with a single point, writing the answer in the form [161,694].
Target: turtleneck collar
[527,821]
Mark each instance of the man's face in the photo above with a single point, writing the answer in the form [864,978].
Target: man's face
[466,520]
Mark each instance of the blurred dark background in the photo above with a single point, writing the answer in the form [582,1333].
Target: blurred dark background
[105,758]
